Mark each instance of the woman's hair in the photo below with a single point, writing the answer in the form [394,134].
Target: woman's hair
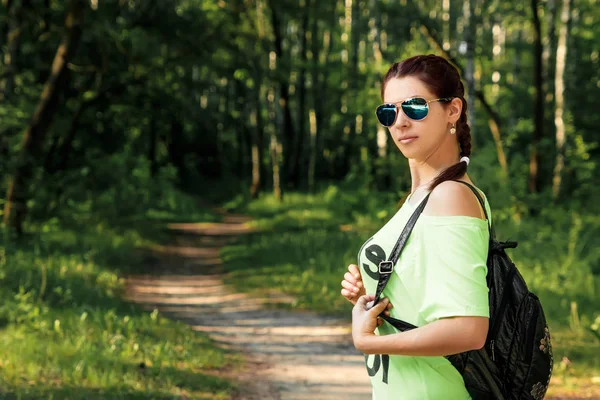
[443,80]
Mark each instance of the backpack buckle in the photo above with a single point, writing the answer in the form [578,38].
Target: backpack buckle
[386,267]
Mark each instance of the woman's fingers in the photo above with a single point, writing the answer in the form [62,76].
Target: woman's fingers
[350,278]
[387,312]
[353,269]
[379,307]
[363,300]
[355,272]
[352,285]
[351,288]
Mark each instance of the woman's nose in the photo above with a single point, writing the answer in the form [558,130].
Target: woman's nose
[401,119]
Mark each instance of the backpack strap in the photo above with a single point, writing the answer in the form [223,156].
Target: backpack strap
[387,267]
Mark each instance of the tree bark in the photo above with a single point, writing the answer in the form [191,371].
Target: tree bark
[534,184]
[256,120]
[469,39]
[549,44]
[559,85]
[16,196]
[275,148]
[257,142]
[299,142]
[275,145]
[288,134]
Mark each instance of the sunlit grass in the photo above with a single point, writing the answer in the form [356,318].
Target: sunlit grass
[66,333]
[101,350]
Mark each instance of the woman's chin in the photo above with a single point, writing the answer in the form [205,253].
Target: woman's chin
[407,153]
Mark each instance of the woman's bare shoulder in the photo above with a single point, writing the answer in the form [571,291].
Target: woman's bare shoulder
[453,198]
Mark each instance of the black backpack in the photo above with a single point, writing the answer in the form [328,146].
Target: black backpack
[516,361]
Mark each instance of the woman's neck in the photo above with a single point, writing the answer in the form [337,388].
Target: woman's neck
[423,173]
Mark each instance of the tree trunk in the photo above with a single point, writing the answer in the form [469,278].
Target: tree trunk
[559,85]
[275,152]
[257,142]
[549,44]
[256,121]
[469,42]
[534,184]
[275,147]
[16,196]
[288,133]
[299,142]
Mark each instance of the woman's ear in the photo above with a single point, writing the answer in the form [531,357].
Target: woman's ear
[454,110]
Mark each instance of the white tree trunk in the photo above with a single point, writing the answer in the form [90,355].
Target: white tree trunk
[559,84]
[468,47]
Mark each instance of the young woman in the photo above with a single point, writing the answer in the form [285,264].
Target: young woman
[439,282]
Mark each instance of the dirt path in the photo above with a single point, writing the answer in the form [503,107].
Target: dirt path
[290,355]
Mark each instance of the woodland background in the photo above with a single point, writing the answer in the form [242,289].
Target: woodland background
[118,116]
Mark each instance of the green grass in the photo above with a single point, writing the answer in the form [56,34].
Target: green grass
[307,242]
[65,333]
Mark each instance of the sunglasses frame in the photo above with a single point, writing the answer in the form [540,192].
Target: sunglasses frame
[395,104]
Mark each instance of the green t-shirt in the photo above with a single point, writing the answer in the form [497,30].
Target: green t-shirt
[441,273]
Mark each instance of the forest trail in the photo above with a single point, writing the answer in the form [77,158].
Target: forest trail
[289,355]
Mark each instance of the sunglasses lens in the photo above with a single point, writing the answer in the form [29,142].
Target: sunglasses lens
[386,114]
[415,109]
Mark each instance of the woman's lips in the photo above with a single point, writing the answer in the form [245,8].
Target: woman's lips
[408,139]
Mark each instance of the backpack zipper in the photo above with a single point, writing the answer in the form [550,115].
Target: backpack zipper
[533,319]
[501,307]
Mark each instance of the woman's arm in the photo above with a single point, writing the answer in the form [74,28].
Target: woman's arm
[440,338]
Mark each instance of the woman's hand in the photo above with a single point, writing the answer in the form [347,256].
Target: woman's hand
[352,285]
[365,318]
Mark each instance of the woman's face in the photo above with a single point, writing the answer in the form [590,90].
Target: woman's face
[430,133]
